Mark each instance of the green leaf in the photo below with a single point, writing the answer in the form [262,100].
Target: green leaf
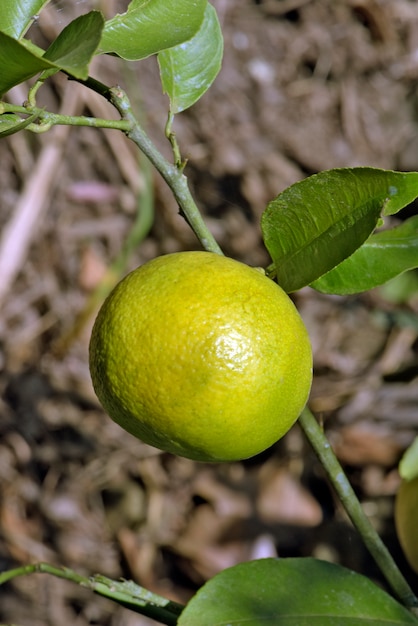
[11,123]
[318,222]
[71,52]
[75,46]
[17,63]
[8,121]
[382,257]
[292,592]
[408,466]
[17,15]
[149,26]
[188,70]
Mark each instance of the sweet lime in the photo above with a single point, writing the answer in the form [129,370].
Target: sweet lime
[202,356]
[406,519]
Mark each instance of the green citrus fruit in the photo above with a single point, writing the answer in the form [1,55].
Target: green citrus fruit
[406,520]
[201,356]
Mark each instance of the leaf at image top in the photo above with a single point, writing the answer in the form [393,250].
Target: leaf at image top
[18,63]
[149,26]
[315,224]
[17,15]
[188,70]
[75,46]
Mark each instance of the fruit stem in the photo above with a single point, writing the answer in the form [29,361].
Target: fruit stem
[127,593]
[342,486]
[172,173]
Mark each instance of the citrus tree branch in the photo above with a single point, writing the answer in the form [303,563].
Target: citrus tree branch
[47,119]
[126,593]
[342,486]
[172,173]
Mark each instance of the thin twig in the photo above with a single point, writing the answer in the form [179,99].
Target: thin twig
[342,486]
[125,592]
[172,173]
[47,120]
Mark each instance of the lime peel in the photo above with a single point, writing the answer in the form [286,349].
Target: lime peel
[202,356]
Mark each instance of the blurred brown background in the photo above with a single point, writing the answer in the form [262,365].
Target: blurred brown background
[306,85]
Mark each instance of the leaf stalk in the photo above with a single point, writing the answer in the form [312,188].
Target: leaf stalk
[125,592]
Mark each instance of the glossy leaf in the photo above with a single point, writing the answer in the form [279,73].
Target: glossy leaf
[188,70]
[18,63]
[382,257]
[149,26]
[318,222]
[71,52]
[17,15]
[75,46]
[11,123]
[292,592]
[408,466]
